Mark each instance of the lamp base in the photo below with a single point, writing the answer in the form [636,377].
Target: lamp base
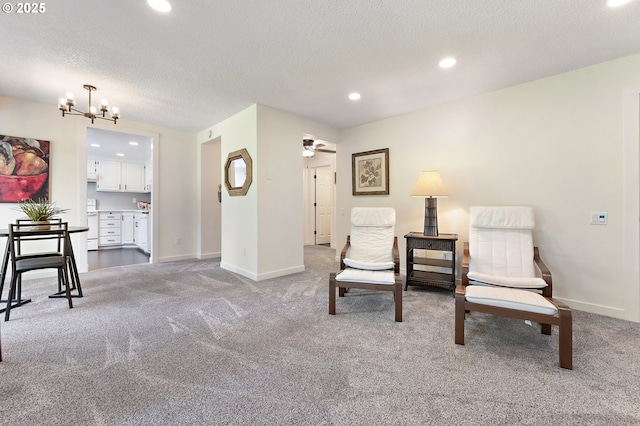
[431,217]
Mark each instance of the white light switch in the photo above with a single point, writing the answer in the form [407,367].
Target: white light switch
[599,218]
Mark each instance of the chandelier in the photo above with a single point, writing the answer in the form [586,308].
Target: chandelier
[66,106]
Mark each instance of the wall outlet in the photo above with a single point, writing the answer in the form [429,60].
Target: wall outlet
[178,241]
[134,200]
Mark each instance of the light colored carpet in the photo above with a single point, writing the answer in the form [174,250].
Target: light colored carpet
[189,343]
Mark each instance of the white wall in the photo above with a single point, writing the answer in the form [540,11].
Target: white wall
[555,144]
[174,174]
[239,232]
[262,232]
[210,208]
[279,166]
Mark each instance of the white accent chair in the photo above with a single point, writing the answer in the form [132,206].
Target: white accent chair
[502,274]
[370,259]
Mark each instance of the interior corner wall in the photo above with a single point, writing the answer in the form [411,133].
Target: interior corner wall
[280,198]
[210,218]
[239,231]
[555,144]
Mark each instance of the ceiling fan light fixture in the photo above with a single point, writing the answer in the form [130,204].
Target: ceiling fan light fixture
[307,148]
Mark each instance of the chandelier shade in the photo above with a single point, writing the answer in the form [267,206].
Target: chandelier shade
[66,105]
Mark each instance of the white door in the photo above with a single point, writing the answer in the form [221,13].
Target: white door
[323,204]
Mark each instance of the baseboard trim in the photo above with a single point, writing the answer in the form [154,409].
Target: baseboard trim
[263,276]
[281,273]
[203,256]
[176,258]
[239,271]
[594,308]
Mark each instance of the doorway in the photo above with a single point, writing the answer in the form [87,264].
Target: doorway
[323,204]
[119,197]
[319,196]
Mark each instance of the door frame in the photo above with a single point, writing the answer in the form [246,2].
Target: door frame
[82,190]
[631,202]
[315,205]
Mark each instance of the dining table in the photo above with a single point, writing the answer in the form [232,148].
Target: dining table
[76,288]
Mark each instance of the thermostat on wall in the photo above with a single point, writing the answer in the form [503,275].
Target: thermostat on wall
[599,218]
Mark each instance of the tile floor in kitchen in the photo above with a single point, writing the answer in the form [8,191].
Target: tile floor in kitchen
[107,258]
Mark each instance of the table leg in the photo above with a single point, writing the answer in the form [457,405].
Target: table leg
[5,264]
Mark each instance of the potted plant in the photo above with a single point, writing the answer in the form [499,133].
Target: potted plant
[40,210]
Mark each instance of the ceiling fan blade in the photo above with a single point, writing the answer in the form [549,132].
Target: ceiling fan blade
[331,151]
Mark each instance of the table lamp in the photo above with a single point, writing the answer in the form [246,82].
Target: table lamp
[430,185]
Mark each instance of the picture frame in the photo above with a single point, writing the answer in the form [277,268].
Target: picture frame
[370,172]
[24,169]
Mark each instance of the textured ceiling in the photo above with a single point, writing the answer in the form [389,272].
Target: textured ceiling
[207,60]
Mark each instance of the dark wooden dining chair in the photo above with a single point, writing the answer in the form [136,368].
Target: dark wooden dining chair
[29,251]
[55,250]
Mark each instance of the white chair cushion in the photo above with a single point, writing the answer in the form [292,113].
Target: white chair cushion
[521,300]
[501,252]
[504,217]
[373,216]
[519,282]
[372,266]
[372,234]
[364,276]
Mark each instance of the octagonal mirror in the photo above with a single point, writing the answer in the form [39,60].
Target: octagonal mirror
[238,173]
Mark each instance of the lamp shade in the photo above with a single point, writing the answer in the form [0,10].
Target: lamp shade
[429,184]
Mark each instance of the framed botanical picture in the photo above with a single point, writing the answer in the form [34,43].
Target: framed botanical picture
[370,172]
[24,169]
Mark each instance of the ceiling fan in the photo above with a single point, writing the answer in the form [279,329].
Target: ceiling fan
[310,147]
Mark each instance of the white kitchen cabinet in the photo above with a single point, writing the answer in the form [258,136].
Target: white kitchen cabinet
[141,230]
[116,176]
[110,228]
[132,178]
[148,176]
[108,175]
[92,170]
[127,231]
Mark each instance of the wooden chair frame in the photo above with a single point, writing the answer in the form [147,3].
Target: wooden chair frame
[562,318]
[344,286]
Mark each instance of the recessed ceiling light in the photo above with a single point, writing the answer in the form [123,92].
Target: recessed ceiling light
[95,145]
[616,3]
[133,143]
[448,62]
[120,154]
[354,96]
[160,5]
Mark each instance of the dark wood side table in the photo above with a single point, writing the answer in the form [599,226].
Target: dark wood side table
[426,269]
